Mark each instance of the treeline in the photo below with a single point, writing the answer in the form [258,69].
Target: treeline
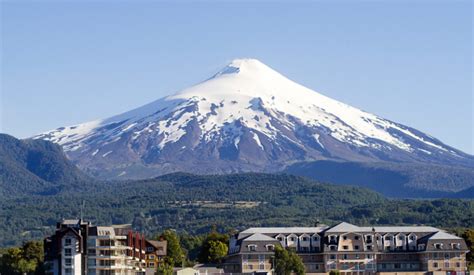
[191,203]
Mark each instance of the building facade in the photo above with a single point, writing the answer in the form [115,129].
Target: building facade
[351,250]
[155,253]
[79,248]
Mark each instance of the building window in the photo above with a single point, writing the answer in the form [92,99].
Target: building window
[344,256]
[397,266]
[315,238]
[356,238]
[388,238]
[356,247]
[438,245]
[91,262]
[344,238]
[262,266]
[369,256]
[270,247]
[67,252]
[250,266]
[252,247]
[68,271]
[332,247]
[304,239]
[345,266]
[412,237]
[67,241]
[151,257]
[332,256]
[345,247]
[149,249]
[369,247]
[68,261]
[458,264]
[152,264]
[446,264]
[435,265]
[401,238]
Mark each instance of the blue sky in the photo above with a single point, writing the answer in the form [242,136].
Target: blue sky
[69,62]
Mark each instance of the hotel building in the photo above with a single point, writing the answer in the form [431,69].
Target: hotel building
[351,250]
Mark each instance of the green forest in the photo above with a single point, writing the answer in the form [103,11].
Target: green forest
[191,204]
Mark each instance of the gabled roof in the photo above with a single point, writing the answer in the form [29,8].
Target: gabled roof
[283,230]
[259,237]
[441,235]
[344,227]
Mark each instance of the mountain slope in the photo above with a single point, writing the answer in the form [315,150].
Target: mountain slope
[247,117]
[393,179]
[35,167]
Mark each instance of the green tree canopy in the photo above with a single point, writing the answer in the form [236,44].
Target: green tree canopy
[175,253]
[214,247]
[287,261]
[27,259]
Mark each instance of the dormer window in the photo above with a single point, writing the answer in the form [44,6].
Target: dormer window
[412,237]
[292,239]
[280,239]
[67,241]
[356,238]
[401,238]
[315,238]
[345,247]
[456,245]
[304,239]
[332,247]
[388,238]
[270,247]
[438,245]
[252,247]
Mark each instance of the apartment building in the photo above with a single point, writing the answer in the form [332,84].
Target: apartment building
[350,249]
[79,248]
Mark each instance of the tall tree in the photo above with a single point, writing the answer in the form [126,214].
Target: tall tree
[468,236]
[175,253]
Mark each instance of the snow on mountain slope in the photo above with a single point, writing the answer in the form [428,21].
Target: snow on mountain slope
[247,117]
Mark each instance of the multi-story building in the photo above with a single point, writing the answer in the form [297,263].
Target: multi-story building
[155,253]
[79,248]
[350,249]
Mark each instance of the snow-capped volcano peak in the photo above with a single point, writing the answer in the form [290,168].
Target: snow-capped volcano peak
[246,117]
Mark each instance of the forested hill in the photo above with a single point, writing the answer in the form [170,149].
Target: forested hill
[36,167]
[396,180]
[192,204]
